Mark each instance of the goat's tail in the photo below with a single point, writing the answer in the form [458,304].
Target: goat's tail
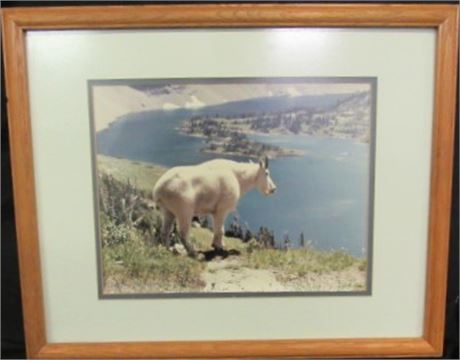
[154,202]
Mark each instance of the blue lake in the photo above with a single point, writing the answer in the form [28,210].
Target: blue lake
[324,194]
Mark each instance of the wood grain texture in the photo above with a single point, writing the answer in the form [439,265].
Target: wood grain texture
[231,349]
[441,180]
[231,15]
[23,186]
[443,17]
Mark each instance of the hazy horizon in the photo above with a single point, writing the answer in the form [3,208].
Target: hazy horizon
[114,100]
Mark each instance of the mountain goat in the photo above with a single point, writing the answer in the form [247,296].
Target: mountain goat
[210,188]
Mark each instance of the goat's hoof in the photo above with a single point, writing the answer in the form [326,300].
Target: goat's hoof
[220,251]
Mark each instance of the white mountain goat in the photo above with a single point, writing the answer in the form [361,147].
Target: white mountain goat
[211,188]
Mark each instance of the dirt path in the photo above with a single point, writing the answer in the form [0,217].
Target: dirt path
[229,275]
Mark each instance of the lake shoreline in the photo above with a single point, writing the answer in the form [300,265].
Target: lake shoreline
[310,187]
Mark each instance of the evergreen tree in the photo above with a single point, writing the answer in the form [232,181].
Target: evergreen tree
[287,241]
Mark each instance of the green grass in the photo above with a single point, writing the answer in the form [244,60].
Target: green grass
[131,260]
[131,257]
[142,175]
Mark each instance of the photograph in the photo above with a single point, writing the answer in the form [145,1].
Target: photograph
[233,186]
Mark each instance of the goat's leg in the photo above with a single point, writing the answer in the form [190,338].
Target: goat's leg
[184,223]
[166,227]
[218,228]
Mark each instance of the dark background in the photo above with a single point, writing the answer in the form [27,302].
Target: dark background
[12,332]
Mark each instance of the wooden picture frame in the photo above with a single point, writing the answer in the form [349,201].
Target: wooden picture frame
[444,18]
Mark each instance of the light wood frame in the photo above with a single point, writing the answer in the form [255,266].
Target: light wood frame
[444,18]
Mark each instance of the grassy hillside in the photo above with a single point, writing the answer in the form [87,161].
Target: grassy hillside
[134,261]
[141,175]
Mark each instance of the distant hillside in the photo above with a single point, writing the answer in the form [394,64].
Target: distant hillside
[352,117]
[111,102]
[274,104]
[244,108]
[325,115]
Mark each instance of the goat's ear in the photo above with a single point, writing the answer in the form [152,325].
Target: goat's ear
[263,162]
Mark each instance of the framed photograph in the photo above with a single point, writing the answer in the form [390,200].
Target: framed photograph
[285,137]
[245,180]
